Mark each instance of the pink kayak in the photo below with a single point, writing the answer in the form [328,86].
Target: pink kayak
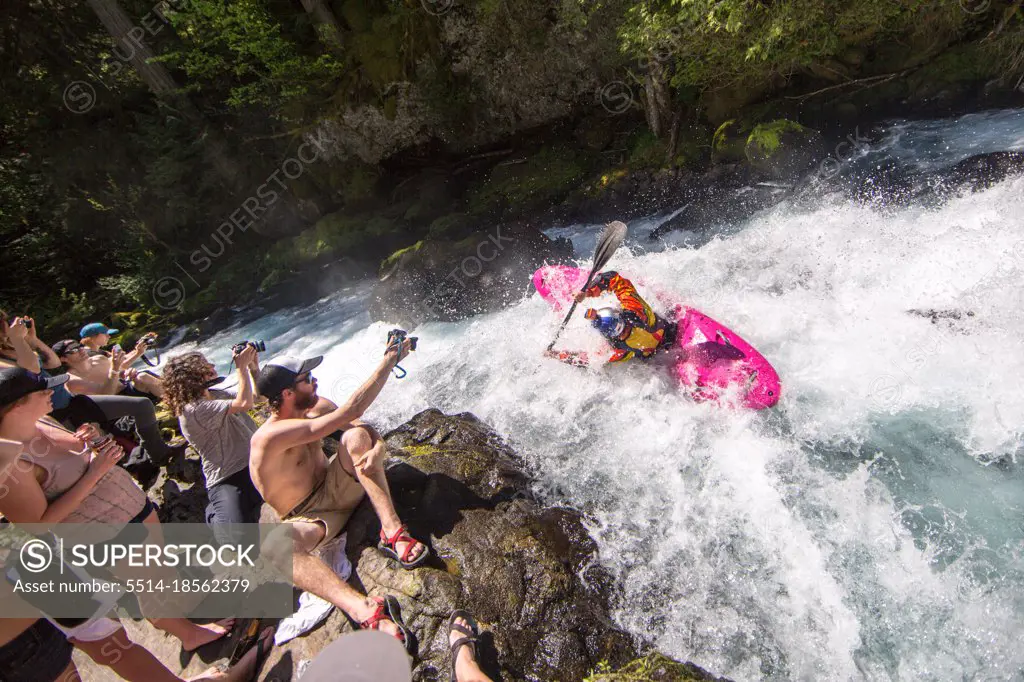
[715,364]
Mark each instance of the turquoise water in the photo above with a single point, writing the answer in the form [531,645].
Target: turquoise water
[871,526]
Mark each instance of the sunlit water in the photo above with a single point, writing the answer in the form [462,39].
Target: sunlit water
[870,527]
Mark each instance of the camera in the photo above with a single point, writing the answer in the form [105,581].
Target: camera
[99,441]
[239,347]
[149,339]
[398,336]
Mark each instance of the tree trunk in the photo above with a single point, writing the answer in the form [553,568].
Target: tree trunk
[327,24]
[132,48]
[656,89]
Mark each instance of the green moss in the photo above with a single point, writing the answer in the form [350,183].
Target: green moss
[653,666]
[542,178]
[391,260]
[767,136]
[722,135]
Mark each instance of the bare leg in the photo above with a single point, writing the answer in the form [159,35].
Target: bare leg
[192,635]
[466,669]
[364,444]
[243,671]
[126,658]
[311,574]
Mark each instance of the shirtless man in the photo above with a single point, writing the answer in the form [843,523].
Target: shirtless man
[317,495]
[95,373]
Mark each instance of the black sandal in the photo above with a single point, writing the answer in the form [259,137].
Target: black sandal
[471,638]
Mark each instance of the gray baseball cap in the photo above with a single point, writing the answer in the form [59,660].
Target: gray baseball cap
[364,656]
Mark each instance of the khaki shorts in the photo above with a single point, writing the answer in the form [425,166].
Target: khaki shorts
[331,503]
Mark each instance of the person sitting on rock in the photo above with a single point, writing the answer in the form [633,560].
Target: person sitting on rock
[317,495]
[114,406]
[96,335]
[102,374]
[220,431]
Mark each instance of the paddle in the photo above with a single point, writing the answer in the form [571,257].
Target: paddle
[610,240]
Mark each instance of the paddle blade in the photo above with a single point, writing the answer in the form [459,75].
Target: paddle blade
[610,240]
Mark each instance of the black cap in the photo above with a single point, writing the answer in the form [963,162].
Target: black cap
[16,383]
[281,373]
[62,348]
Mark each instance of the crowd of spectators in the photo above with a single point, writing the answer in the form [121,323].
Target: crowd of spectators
[73,413]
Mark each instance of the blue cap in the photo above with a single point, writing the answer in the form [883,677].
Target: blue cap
[94,328]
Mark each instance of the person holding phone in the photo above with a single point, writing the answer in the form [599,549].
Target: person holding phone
[66,481]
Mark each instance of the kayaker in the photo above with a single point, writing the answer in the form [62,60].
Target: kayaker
[634,331]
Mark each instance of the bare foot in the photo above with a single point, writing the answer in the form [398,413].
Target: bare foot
[245,669]
[418,547]
[386,625]
[201,635]
[466,669]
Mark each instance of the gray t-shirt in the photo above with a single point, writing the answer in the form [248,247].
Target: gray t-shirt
[221,438]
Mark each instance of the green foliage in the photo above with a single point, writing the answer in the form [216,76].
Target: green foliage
[240,44]
[766,137]
[712,43]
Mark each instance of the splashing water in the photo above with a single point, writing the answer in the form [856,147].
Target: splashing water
[870,526]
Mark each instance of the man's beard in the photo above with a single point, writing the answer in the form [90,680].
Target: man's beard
[305,401]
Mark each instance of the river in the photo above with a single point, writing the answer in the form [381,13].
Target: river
[870,526]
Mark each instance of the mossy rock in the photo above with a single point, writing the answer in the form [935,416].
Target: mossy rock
[784,149]
[451,226]
[730,142]
[653,667]
[534,183]
[391,261]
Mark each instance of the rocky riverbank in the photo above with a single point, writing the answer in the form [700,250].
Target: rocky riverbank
[529,572]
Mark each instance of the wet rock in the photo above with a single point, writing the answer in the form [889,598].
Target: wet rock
[451,280]
[977,172]
[527,572]
[730,142]
[784,149]
[655,668]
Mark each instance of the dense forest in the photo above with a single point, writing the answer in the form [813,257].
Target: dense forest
[227,147]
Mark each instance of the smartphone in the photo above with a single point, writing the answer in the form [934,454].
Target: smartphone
[117,348]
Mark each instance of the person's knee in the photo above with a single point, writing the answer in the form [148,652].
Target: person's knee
[360,439]
[287,540]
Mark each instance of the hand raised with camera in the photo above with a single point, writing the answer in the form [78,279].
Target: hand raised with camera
[104,459]
[247,357]
[18,329]
[30,325]
[116,360]
[396,353]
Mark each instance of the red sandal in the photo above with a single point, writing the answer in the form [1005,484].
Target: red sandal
[389,545]
[388,608]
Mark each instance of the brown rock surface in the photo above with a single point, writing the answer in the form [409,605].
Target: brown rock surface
[527,572]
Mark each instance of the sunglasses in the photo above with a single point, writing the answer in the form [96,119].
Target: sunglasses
[303,378]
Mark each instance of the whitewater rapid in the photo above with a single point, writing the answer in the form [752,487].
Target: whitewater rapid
[871,526]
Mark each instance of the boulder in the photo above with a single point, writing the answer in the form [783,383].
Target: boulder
[527,572]
[977,172]
[784,149]
[730,142]
[451,280]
